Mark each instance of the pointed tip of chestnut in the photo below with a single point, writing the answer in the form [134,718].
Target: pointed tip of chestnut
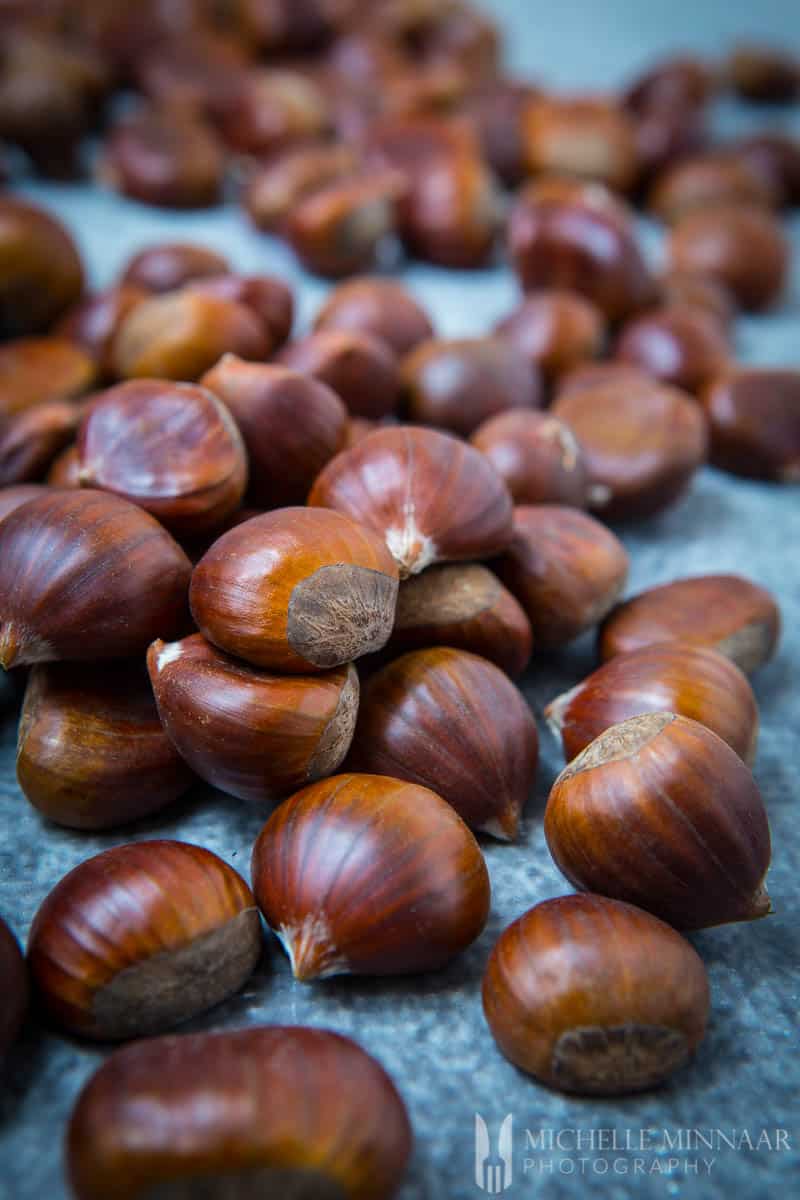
[311,951]
[19,648]
[503,825]
[761,904]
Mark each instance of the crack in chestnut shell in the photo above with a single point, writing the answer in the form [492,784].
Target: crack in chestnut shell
[451,721]
[296,590]
[594,996]
[726,613]
[362,874]
[141,937]
[254,735]
[280,1111]
[15,989]
[660,812]
[86,575]
[430,496]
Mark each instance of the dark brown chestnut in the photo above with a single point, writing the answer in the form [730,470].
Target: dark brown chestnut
[141,937]
[86,575]
[775,158]
[276,187]
[31,440]
[452,213]
[267,110]
[21,493]
[339,230]
[685,290]
[590,137]
[14,1003]
[167,266]
[660,812]
[594,996]
[555,330]
[741,247]
[496,111]
[754,419]
[255,735]
[704,181]
[763,73]
[365,875]
[92,324]
[381,307]
[35,371]
[360,368]
[65,470]
[675,345]
[268,297]
[42,272]
[446,719]
[537,455]
[674,80]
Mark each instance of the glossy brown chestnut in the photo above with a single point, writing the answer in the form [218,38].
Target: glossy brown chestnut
[724,612]
[591,375]
[764,73]
[466,606]
[268,110]
[452,213]
[704,181]
[565,568]
[457,383]
[340,229]
[742,248]
[276,187]
[91,750]
[340,1132]
[21,493]
[594,996]
[775,158]
[754,419]
[291,425]
[692,681]
[429,496]
[42,273]
[365,875]
[31,440]
[265,295]
[92,324]
[555,330]
[169,157]
[39,370]
[254,735]
[642,443]
[537,455]
[86,575]
[65,470]
[448,719]
[593,138]
[298,590]
[141,937]
[360,368]
[14,1003]
[680,346]
[181,334]
[167,266]
[665,135]
[660,812]
[682,290]
[381,307]
[172,448]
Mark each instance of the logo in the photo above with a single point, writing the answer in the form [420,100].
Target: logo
[493,1171]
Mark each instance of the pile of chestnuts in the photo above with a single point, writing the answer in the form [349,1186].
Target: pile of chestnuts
[309,570]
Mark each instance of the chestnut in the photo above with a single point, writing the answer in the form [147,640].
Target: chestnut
[267,110]
[287,26]
[14,1003]
[452,212]
[361,369]
[594,996]
[591,137]
[34,371]
[276,187]
[31,440]
[555,330]
[754,419]
[775,158]
[92,324]
[674,80]
[340,229]
[380,307]
[141,937]
[675,345]
[269,298]
[20,493]
[537,455]
[42,271]
[393,481]
[591,375]
[685,290]
[678,677]
[763,73]
[660,812]
[724,612]
[665,135]
[496,111]
[340,1130]
[181,334]
[703,181]
[741,247]
[91,750]
[566,569]
[172,448]
[167,266]
[169,157]
[457,383]
[466,606]
[366,875]
[642,441]
[65,470]
[298,590]
[291,425]
[446,719]
[255,735]
[86,575]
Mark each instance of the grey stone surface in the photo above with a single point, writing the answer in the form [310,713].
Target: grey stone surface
[429,1032]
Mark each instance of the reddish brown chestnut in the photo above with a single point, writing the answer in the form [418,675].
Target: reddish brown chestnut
[254,735]
[448,719]
[381,307]
[168,157]
[593,138]
[167,266]
[14,1003]
[452,213]
[339,229]
[724,612]
[671,676]
[141,937]
[537,455]
[675,345]
[93,323]
[65,471]
[340,1132]
[364,875]
[279,185]
[496,111]
[742,248]
[683,290]
[266,110]
[555,330]
[431,497]
[754,419]
[39,370]
[42,273]
[594,996]
[775,158]
[298,590]
[31,440]
[91,750]
[565,568]
[361,369]
[704,181]
[268,297]
[21,493]
[660,812]
[86,575]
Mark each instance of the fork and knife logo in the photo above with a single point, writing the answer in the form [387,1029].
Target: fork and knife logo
[493,1170]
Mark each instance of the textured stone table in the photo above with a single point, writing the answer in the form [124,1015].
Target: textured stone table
[429,1032]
